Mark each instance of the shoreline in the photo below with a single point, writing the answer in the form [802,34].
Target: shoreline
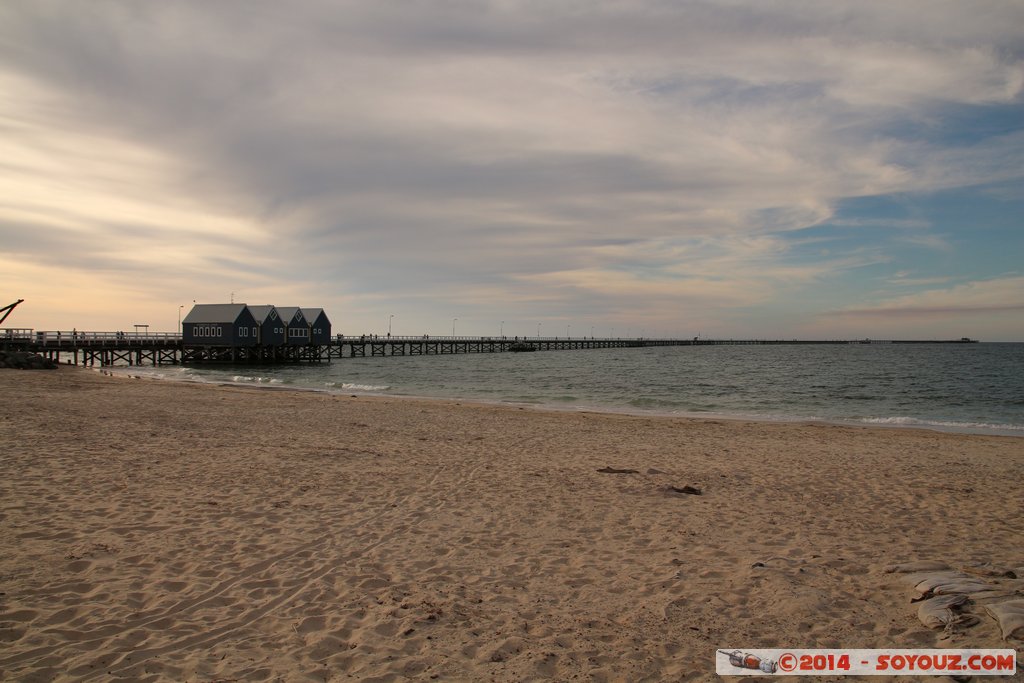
[160,531]
[979,429]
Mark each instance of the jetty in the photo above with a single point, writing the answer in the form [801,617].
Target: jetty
[167,348]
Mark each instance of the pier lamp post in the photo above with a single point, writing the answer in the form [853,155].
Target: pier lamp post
[389,324]
[179,317]
[538,330]
[591,331]
[453,327]
[502,332]
[567,331]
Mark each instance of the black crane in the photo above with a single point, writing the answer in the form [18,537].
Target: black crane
[6,310]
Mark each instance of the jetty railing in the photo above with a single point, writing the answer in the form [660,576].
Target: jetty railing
[72,337]
[13,334]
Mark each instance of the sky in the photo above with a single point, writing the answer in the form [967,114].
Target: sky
[785,169]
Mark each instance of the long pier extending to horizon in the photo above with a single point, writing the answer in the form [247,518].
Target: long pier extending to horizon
[146,348]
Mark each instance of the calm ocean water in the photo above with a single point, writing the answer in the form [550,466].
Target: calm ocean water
[969,387]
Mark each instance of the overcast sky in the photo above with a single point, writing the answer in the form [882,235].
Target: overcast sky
[731,169]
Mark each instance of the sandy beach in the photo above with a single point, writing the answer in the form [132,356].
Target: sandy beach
[152,531]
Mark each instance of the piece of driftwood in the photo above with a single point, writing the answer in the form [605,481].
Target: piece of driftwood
[613,470]
[692,490]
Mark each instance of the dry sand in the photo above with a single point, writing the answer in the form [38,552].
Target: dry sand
[159,531]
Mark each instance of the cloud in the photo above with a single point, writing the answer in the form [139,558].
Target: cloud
[1000,295]
[550,155]
[902,279]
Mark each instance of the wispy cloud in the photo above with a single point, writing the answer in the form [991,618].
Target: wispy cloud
[971,298]
[903,280]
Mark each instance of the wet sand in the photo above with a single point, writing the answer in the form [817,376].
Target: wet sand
[153,531]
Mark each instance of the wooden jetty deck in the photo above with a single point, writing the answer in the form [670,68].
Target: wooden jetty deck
[145,348]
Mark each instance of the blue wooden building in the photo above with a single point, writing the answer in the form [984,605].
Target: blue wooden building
[296,326]
[220,325]
[271,327]
[319,325]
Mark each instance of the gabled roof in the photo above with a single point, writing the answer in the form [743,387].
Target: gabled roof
[311,314]
[214,313]
[287,313]
[261,313]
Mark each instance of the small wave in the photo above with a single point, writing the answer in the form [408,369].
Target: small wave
[351,386]
[245,379]
[959,426]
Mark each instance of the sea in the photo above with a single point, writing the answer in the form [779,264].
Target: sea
[974,388]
